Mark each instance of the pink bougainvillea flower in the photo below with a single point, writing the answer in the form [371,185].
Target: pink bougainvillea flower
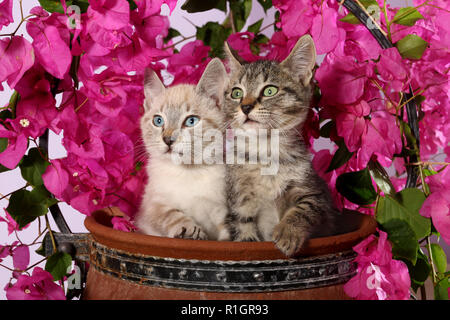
[379,277]
[16,57]
[12,224]
[17,145]
[38,286]
[357,43]
[367,137]
[6,16]
[37,103]
[56,178]
[51,43]
[240,42]
[21,257]
[110,14]
[437,205]
[138,55]
[188,65]
[108,91]
[373,282]
[325,31]
[374,249]
[108,23]
[151,28]
[382,138]
[392,70]
[351,124]
[296,17]
[122,224]
[279,46]
[341,80]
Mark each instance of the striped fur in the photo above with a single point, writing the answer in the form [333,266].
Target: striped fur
[294,204]
[183,200]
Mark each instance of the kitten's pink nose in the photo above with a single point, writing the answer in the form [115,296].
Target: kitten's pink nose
[246,108]
[168,140]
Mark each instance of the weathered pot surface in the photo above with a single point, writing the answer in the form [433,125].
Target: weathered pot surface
[127,265]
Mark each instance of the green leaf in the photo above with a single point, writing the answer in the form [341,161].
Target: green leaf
[255,27]
[41,250]
[25,208]
[266,4]
[351,18]
[403,239]
[411,46]
[57,264]
[381,177]
[42,195]
[341,156]
[52,5]
[192,6]
[33,167]
[83,4]
[439,257]
[357,187]
[6,114]
[429,172]
[132,5]
[419,272]
[260,38]
[214,35]
[326,129]
[441,289]
[407,16]
[171,34]
[241,10]
[405,206]
[3,144]
[56,6]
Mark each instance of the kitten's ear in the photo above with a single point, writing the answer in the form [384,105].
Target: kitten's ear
[213,81]
[235,62]
[153,87]
[302,59]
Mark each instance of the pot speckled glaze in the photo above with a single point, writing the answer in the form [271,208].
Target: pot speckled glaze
[127,265]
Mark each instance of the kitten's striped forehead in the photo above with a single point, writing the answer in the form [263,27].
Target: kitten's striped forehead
[254,74]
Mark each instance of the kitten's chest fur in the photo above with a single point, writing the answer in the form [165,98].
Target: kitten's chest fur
[270,190]
[197,191]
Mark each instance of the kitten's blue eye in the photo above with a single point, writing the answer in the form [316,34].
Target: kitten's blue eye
[158,121]
[191,121]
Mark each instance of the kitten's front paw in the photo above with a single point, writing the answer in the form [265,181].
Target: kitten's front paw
[289,239]
[192,232]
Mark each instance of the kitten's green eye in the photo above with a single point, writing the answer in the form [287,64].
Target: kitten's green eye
[270,91]
[236,93]
[191,121]
[158,121]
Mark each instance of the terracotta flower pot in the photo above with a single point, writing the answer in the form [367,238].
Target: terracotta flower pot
[136,266]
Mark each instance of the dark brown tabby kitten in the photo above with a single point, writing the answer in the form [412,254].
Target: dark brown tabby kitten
[293,204]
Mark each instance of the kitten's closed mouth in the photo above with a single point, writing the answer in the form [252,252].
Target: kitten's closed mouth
[250,122]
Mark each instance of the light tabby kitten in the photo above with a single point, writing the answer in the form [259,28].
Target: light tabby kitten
[294,204]
[183,200]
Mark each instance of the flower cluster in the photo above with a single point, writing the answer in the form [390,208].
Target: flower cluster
[379,277]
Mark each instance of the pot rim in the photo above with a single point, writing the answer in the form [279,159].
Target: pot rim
[100,227]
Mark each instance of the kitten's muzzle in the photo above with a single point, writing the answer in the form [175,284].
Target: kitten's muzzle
[169,140]
[246,108]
